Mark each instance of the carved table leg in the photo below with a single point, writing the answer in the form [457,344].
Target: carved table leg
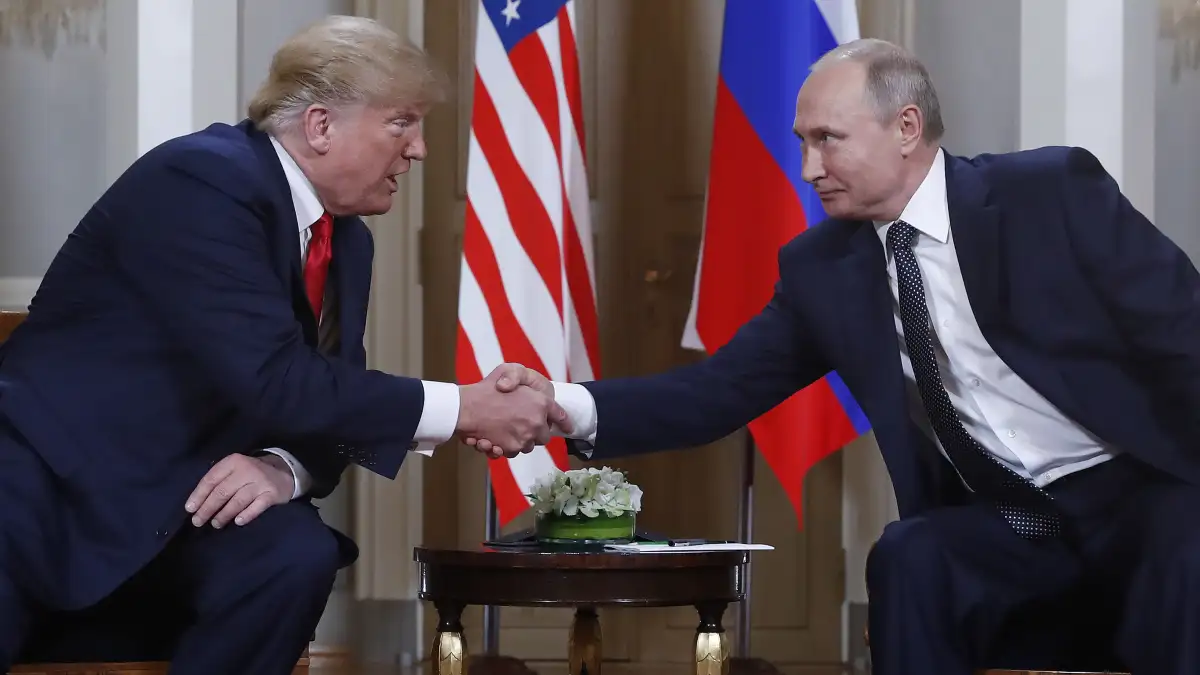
[584,651]
[712,644]
[449,653]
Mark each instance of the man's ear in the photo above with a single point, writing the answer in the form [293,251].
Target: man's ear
[910,126]
[316,121]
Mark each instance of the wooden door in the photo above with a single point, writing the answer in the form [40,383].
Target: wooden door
[649,76]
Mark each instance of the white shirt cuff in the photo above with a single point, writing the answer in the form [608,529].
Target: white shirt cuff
[439,417]
[301,479]
[581,410]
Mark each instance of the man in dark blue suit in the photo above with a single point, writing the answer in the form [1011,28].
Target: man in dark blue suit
[192,372]
[1027,348]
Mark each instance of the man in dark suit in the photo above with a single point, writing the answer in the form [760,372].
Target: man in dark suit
[192,371]
[1027,348]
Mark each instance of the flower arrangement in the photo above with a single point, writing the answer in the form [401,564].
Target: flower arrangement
[591,492]
[585,504]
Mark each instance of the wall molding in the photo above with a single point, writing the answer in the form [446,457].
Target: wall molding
[387,515]
[17,292]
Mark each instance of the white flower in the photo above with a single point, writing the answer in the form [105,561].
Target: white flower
[591,492]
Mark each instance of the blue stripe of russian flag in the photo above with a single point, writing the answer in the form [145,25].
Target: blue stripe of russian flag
[778,41]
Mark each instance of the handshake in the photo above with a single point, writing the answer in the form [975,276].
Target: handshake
[509,412]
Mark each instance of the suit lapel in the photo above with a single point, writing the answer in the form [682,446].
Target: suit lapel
[983,261]
[865,271]
[350,279]
[976,227]
[285,237]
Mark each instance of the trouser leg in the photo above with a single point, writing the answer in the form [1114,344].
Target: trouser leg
[258,591]
[942,584]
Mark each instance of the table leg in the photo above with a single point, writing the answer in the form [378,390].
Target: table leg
[449,653]
[712,644]
[584,651]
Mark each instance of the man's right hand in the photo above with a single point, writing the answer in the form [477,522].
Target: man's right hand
[511,417]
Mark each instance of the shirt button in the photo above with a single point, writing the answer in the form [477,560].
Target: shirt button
[975,382]
[1012,433]
[945,323]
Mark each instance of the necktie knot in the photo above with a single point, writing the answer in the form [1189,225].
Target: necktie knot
[323,228]
[901,235]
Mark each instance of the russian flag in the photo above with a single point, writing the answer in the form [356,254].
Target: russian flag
[757,202]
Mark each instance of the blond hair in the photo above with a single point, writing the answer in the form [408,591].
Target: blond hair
[339,61]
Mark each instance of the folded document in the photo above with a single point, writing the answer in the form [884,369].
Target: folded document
[656,547]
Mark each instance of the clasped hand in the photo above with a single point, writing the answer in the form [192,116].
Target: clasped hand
[509,412]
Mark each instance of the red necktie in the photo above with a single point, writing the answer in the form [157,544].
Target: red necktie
[316,267]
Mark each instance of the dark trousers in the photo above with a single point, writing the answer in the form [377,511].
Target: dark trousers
[236,600]
[956,589]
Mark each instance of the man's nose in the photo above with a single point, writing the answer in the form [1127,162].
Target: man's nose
[416,150]
[811,166]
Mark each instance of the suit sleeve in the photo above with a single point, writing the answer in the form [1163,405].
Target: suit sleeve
[1149,286]
[324,465]
[770,358]
[200,260]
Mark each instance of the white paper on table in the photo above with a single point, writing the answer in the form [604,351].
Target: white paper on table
[694,548]
[427,453]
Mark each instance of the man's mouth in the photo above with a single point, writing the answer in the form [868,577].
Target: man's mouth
[391,180]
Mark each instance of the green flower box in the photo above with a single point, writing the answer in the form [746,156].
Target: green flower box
[579,529]
[585,506]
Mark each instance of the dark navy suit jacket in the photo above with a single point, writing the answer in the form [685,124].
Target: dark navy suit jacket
[171,330]
[1079,294]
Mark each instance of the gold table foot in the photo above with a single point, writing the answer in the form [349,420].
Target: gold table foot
[712,643]
[449,653]
[584,648]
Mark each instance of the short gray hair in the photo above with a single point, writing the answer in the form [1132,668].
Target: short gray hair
[344,60]
[895,78]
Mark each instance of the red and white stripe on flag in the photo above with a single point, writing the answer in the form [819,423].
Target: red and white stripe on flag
[527,292]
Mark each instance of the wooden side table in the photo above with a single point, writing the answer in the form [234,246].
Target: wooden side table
[453,579]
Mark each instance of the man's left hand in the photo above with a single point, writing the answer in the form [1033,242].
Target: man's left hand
[239,488]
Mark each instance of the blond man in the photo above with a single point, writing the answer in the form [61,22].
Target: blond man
[192,374]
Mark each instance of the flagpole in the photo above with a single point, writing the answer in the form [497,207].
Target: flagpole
[742,663]
[746,534]
[491,613]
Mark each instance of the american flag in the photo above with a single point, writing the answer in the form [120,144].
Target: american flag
[527,292]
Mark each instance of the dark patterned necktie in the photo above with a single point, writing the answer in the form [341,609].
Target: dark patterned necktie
[1029,509]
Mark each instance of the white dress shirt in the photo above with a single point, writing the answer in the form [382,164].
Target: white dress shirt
[439,417]
[1006,416]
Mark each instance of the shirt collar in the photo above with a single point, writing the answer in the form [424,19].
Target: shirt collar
[304,196]
[927,211]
